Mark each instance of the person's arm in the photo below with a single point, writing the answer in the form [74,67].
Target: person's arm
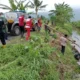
[24,20]
[74,42]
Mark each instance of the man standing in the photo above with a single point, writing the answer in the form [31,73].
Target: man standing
[63,42]
[47,29]
[5,29]
[28,27]
[21,24]
[39,24]
[2,34]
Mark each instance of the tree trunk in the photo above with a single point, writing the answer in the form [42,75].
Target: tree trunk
[36,13]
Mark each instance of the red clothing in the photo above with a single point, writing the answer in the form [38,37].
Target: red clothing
[39,23]
[28,33]
[21,21]
[29,23]
[28,27]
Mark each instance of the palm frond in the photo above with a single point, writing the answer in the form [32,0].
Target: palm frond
[2,5]
[6,8]
[43,6]
[51,11]
[40,3]
[26,5]
[23,1]
[12,4]
[16,1]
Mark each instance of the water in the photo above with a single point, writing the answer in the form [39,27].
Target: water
[76,37]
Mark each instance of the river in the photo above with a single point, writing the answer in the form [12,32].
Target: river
[76,37]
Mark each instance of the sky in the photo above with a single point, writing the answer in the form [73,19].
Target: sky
[50,4]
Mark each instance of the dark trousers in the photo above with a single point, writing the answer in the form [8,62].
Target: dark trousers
[22,31]
[2,38]
[6,36]
[62,49]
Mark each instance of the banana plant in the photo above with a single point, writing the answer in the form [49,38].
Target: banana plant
[37,5]
[15,5]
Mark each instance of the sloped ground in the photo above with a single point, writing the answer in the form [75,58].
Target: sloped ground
[37,59]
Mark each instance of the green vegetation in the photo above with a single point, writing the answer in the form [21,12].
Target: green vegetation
[15,5]
[63,13]
[37,5]
[61,17]
[36,60]
[76,26]
[40,58]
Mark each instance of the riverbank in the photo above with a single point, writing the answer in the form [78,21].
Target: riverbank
[77,30]
[37,59]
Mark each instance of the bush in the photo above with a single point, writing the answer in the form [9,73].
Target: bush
[68,27]
[54,36]
[76,24]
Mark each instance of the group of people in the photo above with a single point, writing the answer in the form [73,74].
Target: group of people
[24,25]
[27,25]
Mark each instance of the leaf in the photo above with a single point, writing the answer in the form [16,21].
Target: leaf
[2,6]
[16,1]
[43,6]
[26,5]
[51,11]
[6,8]
[12,4]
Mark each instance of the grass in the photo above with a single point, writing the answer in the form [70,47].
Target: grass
[36,60]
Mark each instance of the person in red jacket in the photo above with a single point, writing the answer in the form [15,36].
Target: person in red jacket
[21,24]
[28,27]
[39,24]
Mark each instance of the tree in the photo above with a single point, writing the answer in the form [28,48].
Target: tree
[15,5]
[37,5]
[63,13]
[52,17]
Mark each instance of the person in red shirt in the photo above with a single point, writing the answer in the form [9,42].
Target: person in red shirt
[39,24]
[28,27]
[21,24]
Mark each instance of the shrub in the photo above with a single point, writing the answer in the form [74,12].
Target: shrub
[68,27]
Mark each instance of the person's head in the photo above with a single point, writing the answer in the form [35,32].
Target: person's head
[29,17]
[65,35]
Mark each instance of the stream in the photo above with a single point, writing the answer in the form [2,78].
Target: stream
[76,37]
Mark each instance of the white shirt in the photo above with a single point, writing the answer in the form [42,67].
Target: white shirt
[63,41]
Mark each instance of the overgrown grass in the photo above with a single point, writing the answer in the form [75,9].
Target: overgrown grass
[36,60]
